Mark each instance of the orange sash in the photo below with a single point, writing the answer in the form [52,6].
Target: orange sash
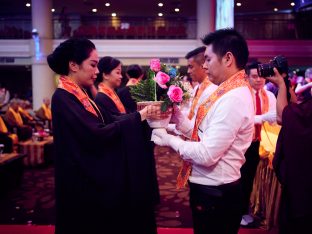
[235,81]
[17,117]
[47,112]
[103,88]
[25,113]
[264,109]
[199,92]
[3,128]
[71,87]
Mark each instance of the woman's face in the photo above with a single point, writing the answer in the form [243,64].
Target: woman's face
[113,79]
[87,71]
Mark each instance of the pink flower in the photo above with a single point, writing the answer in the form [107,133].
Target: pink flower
[161,79]
[155,65]
[175,93]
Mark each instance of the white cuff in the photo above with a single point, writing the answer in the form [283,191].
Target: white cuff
[175,142]
[185,127]
[258,119]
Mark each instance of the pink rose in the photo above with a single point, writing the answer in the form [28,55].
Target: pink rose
[155,65]
[161,79]
[175,93]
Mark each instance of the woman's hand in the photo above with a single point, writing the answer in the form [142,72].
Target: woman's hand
[154,112]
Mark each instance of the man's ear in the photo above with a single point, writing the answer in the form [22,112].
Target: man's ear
[228,59]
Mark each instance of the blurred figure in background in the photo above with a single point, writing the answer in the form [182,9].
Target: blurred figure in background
[303,89]
[4,98]
[134,74]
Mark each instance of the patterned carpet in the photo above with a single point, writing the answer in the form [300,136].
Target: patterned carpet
[32,201]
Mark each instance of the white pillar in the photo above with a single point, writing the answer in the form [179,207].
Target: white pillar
[225,14]
[43,84]
[206,14]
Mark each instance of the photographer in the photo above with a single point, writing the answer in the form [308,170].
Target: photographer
[292,160]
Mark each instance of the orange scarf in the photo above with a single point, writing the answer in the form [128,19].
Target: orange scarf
[17,117]
[264,109]
[3,128]
[67,84]
[235,81]
[25,113]
[198,94]
[103,88]
[47,111]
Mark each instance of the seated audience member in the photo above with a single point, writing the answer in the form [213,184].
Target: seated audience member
[4,137]
[14,120]
[44,113]
[4,98]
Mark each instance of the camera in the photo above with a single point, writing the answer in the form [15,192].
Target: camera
[279,62]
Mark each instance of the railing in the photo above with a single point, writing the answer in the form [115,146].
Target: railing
[126,28]
[15,29]
[155,28]
[267,29]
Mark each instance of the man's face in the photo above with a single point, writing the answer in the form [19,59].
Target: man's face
[195,70]
[255,80]
[213,66]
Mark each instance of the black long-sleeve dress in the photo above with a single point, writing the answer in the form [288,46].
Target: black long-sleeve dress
[104,181]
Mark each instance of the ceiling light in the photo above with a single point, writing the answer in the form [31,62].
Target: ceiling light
[53,10]
[107,4]
[160,14]
[114,14]
[160,4]
[238,4]
[94,10]
[292,4]
[275,9]
[28,4]
[176,9]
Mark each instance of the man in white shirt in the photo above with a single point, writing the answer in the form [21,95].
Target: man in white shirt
[265,110]
[222,133]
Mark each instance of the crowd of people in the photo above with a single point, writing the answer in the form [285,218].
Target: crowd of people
[18,120]
[105,172]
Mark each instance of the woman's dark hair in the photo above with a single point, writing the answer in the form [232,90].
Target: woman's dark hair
[134,71]
[105,66]
[228,40]
[72,50]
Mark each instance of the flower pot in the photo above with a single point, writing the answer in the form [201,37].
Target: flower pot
[155,123]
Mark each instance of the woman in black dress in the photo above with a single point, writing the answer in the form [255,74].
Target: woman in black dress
[103,181]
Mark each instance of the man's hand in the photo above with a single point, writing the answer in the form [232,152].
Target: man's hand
[162,138]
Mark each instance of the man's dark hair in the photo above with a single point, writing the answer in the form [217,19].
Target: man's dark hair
[197,54]
[228,40]
[252,65]
[134,71]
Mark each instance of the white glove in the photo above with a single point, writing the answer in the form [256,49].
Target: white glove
[183,124]
[172,128]
[162,138]
[177,115]
[269,117]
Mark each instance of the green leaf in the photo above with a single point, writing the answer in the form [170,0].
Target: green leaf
[144,90]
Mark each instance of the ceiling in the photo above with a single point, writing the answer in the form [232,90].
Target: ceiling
[139,7]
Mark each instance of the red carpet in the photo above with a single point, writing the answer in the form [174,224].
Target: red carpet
[33,229]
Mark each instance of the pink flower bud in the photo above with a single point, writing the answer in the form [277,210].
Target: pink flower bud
[155,65]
